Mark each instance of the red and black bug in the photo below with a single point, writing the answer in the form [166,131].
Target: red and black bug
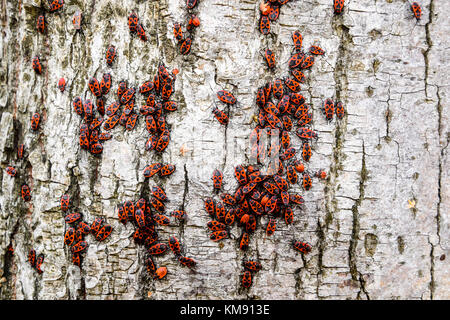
[296,60]
[69,236]
[76,259]
[338,6]
[150,265]
[340,111]
[320,174]
[131,122]
[159,206]
[177,32]
[271,226]
[226,97]
[306,181]
[88,109]
[152,169]
[55,4]
[65,202]
[253,266]
[277,88]
[77,20]
[270,58]
[157,249]
[306,151]
[292,84]
[128,208]
[127,95]
[105,84]
[121,88]
[307,62]
[274,12]
[146,87]
[20,151]
[306,133]
[103,233]
[415,7]
[285,139]
[167,89]
[179,214]
[39,262]
[72,217]
[291,174]
[316,50]
[159,193]
[96,122]
[110,55]
[94,86]
[216,226]
[246,279]
[243,243]
[25,191]
[141,32]
[175,246]
[104,136]
[217,179]
[185,47]
[264,25]
[32,257]
[163,142]
[187,262]
[40,23]
[11,171]
[62,84]
[139,217]
[210,206]
[78,105]
[240,174]
[36,64]
[220,211]
[298,75]
[191,3]
[111,122]
[79,246]
[298,40]
[303,247]
[123,218]
[84,228]
[218,235]
[221,116]
[133,21]
[260,98]
[328,109]
[96,225]
[96,148]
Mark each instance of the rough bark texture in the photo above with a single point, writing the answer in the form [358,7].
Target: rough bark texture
[390,71]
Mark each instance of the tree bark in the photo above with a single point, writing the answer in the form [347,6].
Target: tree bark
[378,224]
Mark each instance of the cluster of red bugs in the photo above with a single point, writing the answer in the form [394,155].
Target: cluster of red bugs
[146,215]
[158,103]
[74,237]
[90,136]
[185,41]
[266,194]
[36,261]
[270,11]
[136,27]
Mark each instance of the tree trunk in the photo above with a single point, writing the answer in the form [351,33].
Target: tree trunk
[378,224]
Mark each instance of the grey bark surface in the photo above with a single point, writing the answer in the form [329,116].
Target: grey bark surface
[391,150]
